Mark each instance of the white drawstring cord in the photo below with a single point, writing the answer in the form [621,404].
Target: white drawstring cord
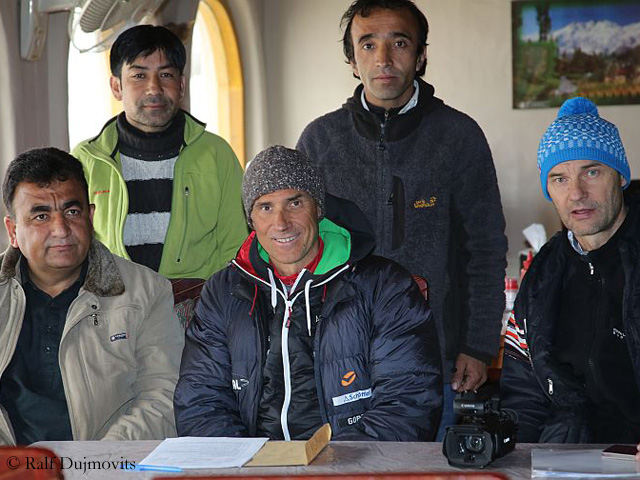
[272,282]
[307,288]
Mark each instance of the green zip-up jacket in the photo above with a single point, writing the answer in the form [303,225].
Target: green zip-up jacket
[207,223]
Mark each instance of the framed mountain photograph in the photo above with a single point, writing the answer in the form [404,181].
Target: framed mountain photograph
[566,48]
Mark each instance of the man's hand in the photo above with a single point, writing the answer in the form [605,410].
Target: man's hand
[469,374]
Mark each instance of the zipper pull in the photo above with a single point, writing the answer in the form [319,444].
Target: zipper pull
[390,201]
[382,125]
[550,386]
[591,269]
[186,191]
[289,311]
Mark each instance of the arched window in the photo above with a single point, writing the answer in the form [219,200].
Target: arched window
[216,87]
[90,101]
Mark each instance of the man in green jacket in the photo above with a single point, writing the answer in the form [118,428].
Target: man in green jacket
[90,347]
[167,193]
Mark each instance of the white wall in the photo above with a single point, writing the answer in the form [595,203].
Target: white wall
[469,57]
[33,112]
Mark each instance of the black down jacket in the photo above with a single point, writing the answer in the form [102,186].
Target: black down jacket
[374,330]
[551,407]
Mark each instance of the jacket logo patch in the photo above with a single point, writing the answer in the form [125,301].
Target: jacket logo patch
[101,192]
[351,397]
[422,203]
[239,383]
[119,336]
[352,420]
[348,378]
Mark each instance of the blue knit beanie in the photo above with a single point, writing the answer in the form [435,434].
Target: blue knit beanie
[580,134]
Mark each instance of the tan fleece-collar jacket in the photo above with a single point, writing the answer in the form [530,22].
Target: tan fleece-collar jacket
[119,353]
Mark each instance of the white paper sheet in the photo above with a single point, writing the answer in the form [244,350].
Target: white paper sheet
[583,464]
[203,452]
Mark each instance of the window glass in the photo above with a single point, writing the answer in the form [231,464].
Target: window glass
[90,100]
[203,84]
[216,85]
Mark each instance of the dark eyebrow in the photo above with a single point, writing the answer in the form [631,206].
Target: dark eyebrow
[368,36]
[142,67]
[365,37]
[40,209]
[402,35]
[294,197]
[591,165]
[71,203]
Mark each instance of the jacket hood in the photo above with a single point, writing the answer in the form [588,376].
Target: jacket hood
[103,277]
[106,142]
[398,126]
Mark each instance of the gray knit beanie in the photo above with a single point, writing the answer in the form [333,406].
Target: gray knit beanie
[280,168]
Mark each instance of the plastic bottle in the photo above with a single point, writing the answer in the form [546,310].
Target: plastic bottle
[510,293]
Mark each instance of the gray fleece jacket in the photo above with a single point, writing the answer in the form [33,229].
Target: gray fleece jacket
[425,180]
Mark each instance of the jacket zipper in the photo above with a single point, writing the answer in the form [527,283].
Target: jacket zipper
[382,128]
[63,372]
[263,354]
[318,371]
[590,360]
[286,366]
[550,389]
[185,212]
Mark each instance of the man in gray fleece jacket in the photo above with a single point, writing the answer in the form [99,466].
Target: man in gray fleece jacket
[423,175]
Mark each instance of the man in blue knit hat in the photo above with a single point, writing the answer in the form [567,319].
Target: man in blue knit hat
[572,358]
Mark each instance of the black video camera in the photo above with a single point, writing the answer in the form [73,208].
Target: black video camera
[485,432]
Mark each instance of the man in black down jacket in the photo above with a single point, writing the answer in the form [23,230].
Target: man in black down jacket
[305,327]
[572,364]
[423,175]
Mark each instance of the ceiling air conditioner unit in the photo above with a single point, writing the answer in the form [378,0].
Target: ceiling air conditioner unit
[93,24]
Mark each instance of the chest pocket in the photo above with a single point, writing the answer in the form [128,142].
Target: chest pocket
[108,339]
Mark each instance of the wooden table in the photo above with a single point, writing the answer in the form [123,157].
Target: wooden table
[336,458]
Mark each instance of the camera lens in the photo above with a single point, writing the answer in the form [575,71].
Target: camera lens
[474,443]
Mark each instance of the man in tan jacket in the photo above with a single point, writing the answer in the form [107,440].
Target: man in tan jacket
[90,346]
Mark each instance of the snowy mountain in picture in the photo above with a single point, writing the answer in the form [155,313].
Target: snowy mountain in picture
[602,37]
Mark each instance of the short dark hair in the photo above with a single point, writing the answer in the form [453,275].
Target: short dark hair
[364,8]
[144,40]
[41,166]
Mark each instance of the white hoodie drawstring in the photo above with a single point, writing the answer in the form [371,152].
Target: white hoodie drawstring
[307,288]
[274,295]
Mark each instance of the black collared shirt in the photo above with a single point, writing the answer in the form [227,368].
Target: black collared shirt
[31,388]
